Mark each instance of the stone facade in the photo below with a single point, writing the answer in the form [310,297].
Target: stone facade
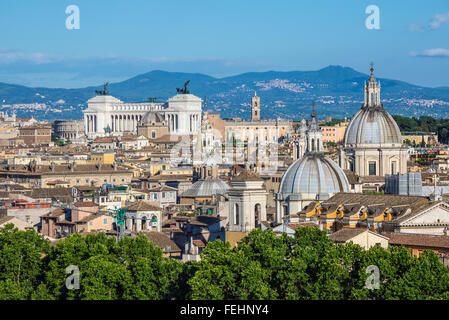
[34,135]
[72,130]
[106,113]
[247,202]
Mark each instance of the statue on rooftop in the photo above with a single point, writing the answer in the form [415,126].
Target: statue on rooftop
[184,90]
[103,92]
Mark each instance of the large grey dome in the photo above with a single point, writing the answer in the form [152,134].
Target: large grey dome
[153,117]
[206,188]
[313,174]
[372,125]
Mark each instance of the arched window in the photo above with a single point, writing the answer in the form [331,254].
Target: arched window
[236,214]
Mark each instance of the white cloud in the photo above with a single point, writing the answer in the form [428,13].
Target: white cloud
[436,53]
[71,71]
[416,27]
[10,56]
[438,20]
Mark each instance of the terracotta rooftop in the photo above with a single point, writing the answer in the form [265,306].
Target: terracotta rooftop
[85,204]
[198,243]
[419,240]
[162,188]
[247,175]
[346,234]
[377,203]
[162,241]
[61,169]
[143,206]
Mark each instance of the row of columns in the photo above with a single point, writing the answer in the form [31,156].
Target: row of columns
[91,123]
[138,224]
[194,120]
[129,122]
[173,122]
[120,123]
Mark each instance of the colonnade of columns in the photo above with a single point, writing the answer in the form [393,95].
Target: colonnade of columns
[139,224]
[91,123]
[177,122]
[194,120]
[126,122]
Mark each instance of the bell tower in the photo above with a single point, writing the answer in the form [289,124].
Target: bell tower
[372,90]
[255,108]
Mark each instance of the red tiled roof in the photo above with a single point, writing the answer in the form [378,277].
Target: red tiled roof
[198,243]
[86,204]
[420,240]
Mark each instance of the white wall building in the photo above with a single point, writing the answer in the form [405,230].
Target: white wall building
[106,113]
[247,202]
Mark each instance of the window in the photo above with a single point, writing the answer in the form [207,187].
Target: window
[153,134]
[90,223]
[105,221]
[163,194]
[393,167]
[372,168]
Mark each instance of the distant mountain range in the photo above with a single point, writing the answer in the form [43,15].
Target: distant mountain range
[337,91]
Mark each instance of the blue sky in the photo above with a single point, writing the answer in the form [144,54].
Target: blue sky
[120,39]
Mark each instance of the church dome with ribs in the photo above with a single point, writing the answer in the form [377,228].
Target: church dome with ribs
[372,124]
[313,174]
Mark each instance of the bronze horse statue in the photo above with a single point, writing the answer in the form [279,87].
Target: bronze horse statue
[184,90]
[103,92]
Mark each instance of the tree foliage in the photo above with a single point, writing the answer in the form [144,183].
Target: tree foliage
[307,266]
[424,124]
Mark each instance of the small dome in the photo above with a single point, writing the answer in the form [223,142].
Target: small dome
[313,174]
[372,125]
[153,117]
[206,188]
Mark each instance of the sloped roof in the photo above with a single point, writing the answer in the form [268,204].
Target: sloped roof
[143,206]
[247,175]
[162,241]
[346,234]
[421,240]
